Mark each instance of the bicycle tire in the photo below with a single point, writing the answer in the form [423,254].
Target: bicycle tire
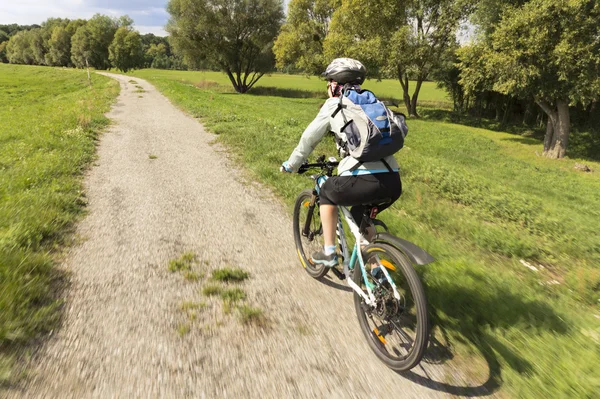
[405,278]
[304,245]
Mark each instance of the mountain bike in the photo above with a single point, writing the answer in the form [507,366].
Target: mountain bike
[388,295]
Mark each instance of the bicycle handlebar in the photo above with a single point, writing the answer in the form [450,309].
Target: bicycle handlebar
[323,165]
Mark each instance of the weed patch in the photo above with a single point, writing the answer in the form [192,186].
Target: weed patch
[183,329]
[192,276]
[212,290]
[230,275]
[251,315]
[233,295]
[152,156]
[183,263]
[189,305]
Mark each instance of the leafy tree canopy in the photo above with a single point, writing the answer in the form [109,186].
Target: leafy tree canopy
[548,50]
[125,51]
[235,36]
[300,42]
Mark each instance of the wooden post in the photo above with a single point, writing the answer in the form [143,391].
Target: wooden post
[88,71]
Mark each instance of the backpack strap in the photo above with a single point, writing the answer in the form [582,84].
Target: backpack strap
[339,108]
[387,165]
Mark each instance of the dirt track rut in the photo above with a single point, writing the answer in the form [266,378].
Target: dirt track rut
[120,332]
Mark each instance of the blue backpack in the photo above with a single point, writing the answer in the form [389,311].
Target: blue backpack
[372,131]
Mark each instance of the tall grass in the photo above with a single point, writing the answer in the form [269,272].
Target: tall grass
[485,206]
[50,119]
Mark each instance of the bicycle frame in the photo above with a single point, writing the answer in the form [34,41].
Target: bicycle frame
[350,260]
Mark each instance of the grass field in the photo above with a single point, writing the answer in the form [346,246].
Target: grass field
[50,119]
[485,206]
[297,86]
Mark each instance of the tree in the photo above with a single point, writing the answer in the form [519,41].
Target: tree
[156,56]
[82,47]
[418,48]
[3,43]
[548,50]
[90,42]
[125,51]
[235,36]
[3,57]
[300,41]
[402,39]
[59,47]
[18,50]
[369,42]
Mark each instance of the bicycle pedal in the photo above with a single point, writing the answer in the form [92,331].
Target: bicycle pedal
[338,273]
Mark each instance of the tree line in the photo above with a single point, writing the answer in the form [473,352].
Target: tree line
[101,42]
[534,60]
[529,61]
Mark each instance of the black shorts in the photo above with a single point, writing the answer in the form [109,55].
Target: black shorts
[362,189]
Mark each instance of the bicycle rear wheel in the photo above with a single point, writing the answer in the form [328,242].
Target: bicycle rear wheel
[308,233]
[396,330]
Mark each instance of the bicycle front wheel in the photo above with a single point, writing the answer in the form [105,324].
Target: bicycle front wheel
[308,233]
[396,330]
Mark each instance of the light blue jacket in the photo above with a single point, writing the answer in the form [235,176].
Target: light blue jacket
[318,128]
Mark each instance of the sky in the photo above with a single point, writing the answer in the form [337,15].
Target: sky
[149,16]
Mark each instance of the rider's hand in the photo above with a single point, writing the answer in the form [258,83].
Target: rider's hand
[285,167]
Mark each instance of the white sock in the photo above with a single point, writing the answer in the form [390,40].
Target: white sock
[329,249]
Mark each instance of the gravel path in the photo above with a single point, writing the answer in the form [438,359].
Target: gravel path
[124,333]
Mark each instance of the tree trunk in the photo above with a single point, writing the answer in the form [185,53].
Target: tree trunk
[403,78]
[232,79]
[413,103]
[558,128]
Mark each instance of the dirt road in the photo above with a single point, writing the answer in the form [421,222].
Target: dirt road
[161,188]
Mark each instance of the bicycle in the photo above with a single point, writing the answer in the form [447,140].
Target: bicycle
[394,302]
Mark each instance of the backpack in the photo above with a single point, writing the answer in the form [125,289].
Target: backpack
[372,131]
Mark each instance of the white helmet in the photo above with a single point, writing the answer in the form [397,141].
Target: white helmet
[345,70]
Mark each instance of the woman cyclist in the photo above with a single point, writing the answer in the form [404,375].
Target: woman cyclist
[356,183]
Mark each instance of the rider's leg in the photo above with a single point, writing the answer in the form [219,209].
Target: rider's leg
[329,216]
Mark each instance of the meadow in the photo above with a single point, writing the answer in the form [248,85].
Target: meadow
[49,122]
[515,290]
[301,86]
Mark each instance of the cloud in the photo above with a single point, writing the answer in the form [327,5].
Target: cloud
[149,16]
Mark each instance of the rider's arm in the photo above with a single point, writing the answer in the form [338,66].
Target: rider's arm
[313,134]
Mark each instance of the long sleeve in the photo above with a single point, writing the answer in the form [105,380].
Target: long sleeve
[313,134]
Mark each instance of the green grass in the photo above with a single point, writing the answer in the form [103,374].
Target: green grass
[233,295]
[230,275]
[301,86]
[479,201]
[50,120]
[251,315]
[190,306]
[183,263]
[212,290]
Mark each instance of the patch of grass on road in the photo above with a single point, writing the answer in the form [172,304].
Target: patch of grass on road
[480,202]
[183,262]
[50,119]
[230,275]
[251,315]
